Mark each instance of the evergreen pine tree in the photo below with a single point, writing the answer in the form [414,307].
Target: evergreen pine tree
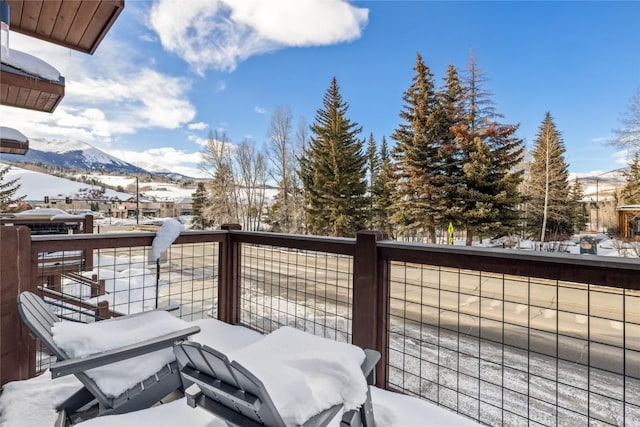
[415,200]
[448,114]
[631,191]
[578,209]
[199,202]
[490,204]
[8,189]
[549,202]
[333,170]
[381,193]
[373,170]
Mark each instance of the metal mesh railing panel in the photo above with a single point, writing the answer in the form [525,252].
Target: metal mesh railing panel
[510,350]
[127,280]
[307,290]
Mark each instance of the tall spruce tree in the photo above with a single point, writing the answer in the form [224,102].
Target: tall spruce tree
[448,114]
[578,209]
[200,200]
[415,200]
[631,191]
[373,170]
[549,207]
[491,154]
[333,170]
[381,193]
[8,189]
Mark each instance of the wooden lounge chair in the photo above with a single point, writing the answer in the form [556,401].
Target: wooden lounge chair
[36,315]
[229,391]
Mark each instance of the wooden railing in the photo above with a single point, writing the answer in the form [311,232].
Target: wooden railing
[395,284]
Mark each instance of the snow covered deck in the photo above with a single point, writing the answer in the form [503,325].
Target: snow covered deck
[295,382]
[500,336]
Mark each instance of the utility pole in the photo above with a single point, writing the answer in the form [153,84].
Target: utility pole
[137,202]
[597,207]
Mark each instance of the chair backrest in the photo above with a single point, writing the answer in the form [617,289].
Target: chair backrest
[227,383]
[39,319]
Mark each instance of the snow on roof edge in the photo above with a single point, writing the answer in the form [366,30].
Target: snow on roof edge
[11,134]
[31,65]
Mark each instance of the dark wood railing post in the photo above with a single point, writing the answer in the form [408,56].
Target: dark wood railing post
[103,311]
[228,276]
[370,290]
[87,228]
[17,348]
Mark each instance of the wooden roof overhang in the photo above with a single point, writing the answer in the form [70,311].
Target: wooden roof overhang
[77,24]
[23,90]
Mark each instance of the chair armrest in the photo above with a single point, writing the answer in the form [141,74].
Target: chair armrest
[192,393]
[81,364]
[368,366]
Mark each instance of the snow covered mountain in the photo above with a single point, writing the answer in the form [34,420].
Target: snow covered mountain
[73,155]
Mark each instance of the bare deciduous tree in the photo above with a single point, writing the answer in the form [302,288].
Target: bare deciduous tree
[252,180]
[217,162]
[284,214]
[628,136]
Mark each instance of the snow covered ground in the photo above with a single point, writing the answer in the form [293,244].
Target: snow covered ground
[32,185]
[130,279]
[30,403]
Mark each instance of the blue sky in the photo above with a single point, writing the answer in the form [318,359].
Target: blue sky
[168,71]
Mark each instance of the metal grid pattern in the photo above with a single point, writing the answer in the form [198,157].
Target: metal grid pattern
[127,280]
[510,350]
[307,290]
[189,278]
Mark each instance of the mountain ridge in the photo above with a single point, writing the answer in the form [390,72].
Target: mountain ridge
[70,154]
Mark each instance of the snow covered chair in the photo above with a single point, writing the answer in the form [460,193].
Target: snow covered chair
[36,315]
[234,393]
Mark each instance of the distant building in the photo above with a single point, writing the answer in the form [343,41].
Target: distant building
[629,221]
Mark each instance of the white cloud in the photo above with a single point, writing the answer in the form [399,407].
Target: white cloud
[200,141]
[149,38]
[260,110]
[623,157]
[115,92]
[197,126]
[219,34]
[221,85]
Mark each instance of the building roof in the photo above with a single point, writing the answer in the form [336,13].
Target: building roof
[76,24]
[19,88]
[628,208]
[79,25]
[12,141]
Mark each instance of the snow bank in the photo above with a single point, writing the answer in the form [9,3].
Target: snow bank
[31,403]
